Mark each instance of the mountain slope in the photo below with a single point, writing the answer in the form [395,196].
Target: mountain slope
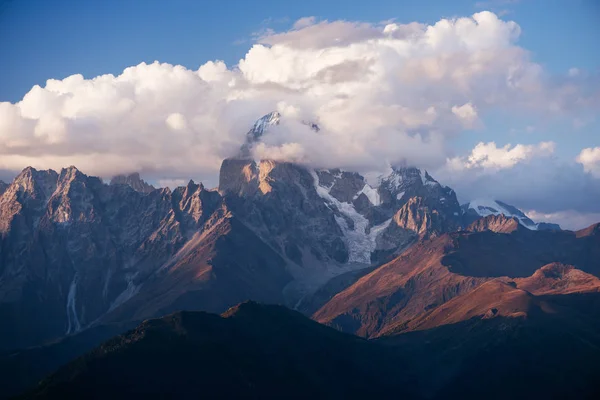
[222,266]
[434,272]
[538,355]
[251,351]
[23,369]
[257,351]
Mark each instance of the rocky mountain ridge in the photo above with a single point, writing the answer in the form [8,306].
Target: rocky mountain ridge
[418,288]
[72,248]
[75,252]
[392,257]
[476,209]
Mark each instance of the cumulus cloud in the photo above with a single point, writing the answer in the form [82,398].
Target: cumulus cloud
[381,94]
[488,156]
[467,114]
[530,177]
[590,159]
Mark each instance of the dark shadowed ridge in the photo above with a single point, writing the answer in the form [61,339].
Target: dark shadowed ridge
[22,369]
[266,351]
[537,355]
[251,351]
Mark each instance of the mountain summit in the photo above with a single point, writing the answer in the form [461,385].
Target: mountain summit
[482,208]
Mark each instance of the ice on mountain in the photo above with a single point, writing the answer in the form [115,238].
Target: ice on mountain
[360,243]
[426,179]
[487,207]
[372,194]
[261,125]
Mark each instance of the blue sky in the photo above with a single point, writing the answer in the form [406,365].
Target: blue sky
[42,39]
[539,89]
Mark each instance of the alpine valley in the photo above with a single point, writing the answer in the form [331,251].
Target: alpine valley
[411,294]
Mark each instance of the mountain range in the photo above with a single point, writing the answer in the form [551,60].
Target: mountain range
[393,258]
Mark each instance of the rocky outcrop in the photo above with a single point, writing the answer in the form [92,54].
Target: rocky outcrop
[344,186]
[280,202]
[495,223]
[133,180]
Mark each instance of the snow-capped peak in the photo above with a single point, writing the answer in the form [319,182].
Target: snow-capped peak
[399,178]
[263,123]
[486,207]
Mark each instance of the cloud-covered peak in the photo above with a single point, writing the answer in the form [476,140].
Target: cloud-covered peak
[381,94]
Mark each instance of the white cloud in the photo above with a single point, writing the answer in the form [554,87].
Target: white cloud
[172,183]
[590,159]
[488,156]
[307,34]
[467,114]
[529,177]
[176,121]
[304,22]
[380,94]
[568,219]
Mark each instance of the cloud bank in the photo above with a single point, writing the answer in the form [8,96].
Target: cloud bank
[381,94]
[530,176]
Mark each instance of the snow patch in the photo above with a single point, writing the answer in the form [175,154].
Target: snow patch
[487,207]
[425,180]
[308,280]
[263,123]
[360,243]
[395,180]
[372,194]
